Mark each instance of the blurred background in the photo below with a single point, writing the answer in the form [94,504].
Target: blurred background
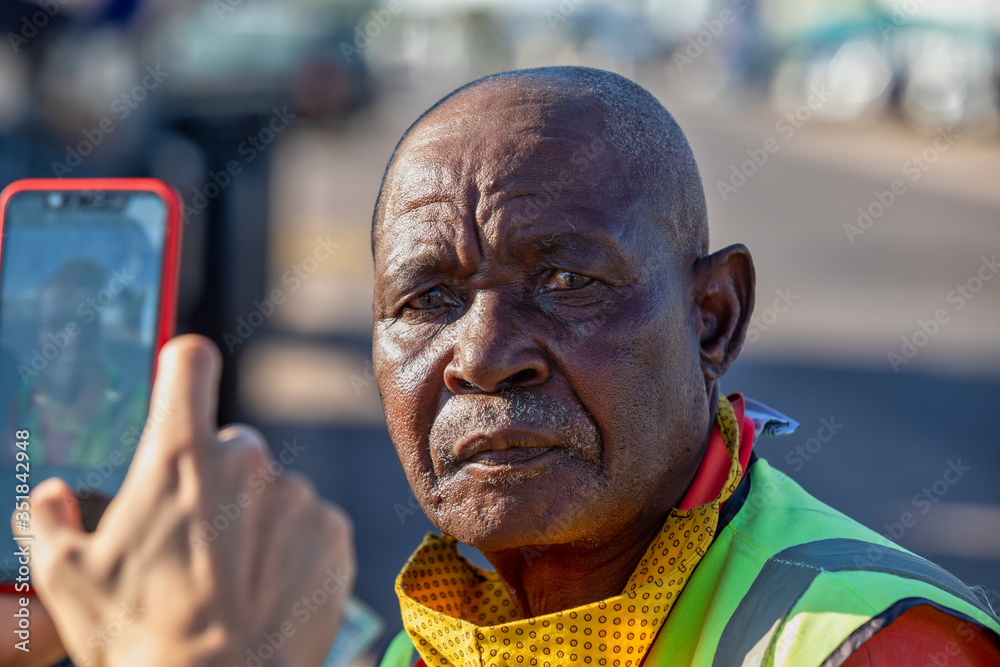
[853,146]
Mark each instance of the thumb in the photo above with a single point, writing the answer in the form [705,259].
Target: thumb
[54,524]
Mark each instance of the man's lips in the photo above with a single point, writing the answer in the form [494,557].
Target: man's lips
[504,447]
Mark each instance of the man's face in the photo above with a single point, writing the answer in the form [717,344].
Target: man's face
[534,340]
[56,309]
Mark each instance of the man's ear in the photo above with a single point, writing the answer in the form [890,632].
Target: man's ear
[723,295]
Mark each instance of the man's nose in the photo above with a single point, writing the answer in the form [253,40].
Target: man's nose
[494,351]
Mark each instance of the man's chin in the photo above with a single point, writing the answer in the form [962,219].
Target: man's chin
[509,510]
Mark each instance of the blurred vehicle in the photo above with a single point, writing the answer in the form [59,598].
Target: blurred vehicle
[932,76]
[245,58]
[935,65]
[847,63]
[947,78]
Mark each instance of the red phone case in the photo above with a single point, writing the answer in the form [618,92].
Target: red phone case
[171,253]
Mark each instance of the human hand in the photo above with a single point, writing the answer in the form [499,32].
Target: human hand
[150,587]
[46,647]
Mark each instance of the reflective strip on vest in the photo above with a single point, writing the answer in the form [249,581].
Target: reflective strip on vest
[791,581]
[787,576]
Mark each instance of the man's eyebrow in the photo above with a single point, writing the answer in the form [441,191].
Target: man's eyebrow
[570,242]
[408,268]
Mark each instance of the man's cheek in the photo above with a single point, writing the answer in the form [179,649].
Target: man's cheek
[408,375]
[411,458]
[410,396]
[624,391]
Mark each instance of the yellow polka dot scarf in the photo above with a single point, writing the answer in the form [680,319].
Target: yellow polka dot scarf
[460,615]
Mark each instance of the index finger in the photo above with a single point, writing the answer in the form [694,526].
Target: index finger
[184,400]
[181,421]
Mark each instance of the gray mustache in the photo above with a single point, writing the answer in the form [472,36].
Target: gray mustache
[462,414]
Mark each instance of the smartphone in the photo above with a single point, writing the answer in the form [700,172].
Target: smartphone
[88,292]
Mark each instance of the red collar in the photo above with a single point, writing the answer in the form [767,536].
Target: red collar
[714,466]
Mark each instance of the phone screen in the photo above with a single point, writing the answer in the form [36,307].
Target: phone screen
[80,286]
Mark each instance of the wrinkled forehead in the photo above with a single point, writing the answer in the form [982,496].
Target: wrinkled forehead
[501,113]
[474,156]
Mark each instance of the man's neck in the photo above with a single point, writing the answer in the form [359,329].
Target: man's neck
[549,578]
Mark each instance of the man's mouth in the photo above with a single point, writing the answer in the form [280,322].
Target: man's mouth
[509,457]
[505,447]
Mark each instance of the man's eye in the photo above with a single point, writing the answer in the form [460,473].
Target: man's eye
[568,280]
[431,299]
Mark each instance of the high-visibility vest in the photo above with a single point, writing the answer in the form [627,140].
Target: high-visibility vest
[789,581]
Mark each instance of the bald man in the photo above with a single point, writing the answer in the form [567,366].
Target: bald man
[550,331]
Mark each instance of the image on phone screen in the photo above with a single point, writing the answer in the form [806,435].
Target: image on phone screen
[79,303]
